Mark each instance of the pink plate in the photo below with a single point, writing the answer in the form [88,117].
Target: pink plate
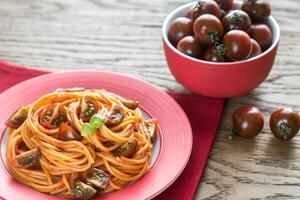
[175,132]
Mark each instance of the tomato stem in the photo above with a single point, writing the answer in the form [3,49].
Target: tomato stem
[213,36]
[198,4]
[285,131]
[220,49]
[236,18]
[232,133]
[252,1]
[223,13]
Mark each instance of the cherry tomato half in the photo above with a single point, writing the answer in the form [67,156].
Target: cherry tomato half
[257,9]
[214,55]
[262,34]
[115,115]
[180,27]
[190,46]
[247,121]
[284,123]
[89,107]
[208,29]
[256,49]
[238,45]
[237,20]
[52,116]
[225,4]
[205,7]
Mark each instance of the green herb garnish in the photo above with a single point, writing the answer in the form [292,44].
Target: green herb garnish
[87,129]
[98,120]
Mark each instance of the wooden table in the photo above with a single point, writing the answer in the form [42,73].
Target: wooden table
[125,36]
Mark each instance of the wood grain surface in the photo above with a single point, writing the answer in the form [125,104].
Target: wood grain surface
[125,36]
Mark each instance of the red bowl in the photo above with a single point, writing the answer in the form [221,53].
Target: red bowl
[214,79]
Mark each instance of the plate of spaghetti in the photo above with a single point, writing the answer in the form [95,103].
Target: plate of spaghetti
[90,135]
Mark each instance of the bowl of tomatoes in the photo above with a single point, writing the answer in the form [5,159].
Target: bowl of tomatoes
[221,48]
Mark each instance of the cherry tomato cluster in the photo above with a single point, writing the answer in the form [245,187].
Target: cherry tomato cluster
[248,122]
[214,31]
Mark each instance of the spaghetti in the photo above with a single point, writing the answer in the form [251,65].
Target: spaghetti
[76,142]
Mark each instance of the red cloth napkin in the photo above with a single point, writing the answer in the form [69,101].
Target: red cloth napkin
[203,113]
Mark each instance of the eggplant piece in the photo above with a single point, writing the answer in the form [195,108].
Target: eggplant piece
[128,149]
[83,191]
[130,104]
[17,119]
[115,115]
[98,178]
[27,159]
[151,129]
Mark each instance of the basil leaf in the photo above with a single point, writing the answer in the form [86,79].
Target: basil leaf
[98,120]
[87,129]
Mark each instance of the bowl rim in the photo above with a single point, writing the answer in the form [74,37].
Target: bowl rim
[273,23]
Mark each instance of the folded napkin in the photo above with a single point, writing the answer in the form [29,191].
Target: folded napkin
[203,113]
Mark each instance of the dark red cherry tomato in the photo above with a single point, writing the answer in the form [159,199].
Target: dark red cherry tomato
[214,55]
[226,5]
[237,20]
[52,116]
[284,123]
[205,7]
[208,29]
[67,132]
[190,46]
[256,49]
[262,34]
[247,121]
[180,27]
[257,9]
[89,107]
[238,45]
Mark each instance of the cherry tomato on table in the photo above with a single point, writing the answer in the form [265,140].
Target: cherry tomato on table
[262,34]
[284,123]
[190,46]
[247,121]
[180,27]
[257,9]
[205,7]
[256,49]
[237,20]
[208,29]
[238,45]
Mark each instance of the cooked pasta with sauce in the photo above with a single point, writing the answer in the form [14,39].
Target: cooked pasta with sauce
[78,142]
